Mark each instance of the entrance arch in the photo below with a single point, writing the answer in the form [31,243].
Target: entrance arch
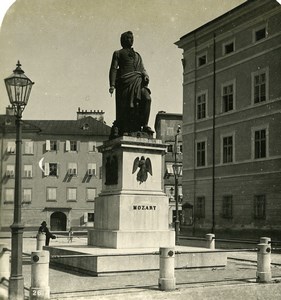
[58,221]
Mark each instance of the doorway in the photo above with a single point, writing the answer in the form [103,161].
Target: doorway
[58,221]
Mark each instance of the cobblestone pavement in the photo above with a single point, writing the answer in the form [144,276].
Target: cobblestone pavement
[236,281]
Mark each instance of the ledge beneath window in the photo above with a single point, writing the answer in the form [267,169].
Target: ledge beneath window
[54,208]
[8,202]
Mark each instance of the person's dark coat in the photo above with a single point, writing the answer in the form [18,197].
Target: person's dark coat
[44,229]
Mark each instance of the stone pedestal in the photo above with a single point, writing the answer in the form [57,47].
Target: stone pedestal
[130,213]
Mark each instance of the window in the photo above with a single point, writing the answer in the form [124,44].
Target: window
[201,60]
[72,169]
[71,194]
[27,195]
[52,145]
[227,149]
[260,143]
[85,126]
[91,217]
[10,171]
[259,207]
[170,131]
[27,170]
[91,194]
[228,47]
[51,169]
[259,34]
[170,148]
[9,195]
[71,146]
[259,87]
[200,207]
[227,98]
[92,146]
[92,169]
[201,153]
[169,169]
[28,147]
[51,194]
[227,207]
[180,148]
[169,191]
[11,147]
[201,106]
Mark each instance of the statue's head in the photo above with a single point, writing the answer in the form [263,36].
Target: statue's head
[127,39]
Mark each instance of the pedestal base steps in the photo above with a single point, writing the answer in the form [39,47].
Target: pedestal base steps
[102,261]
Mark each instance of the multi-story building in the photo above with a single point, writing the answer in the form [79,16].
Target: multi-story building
[61,170]
[231,119]
[167,126]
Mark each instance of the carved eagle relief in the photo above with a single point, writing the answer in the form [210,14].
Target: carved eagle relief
[144,166]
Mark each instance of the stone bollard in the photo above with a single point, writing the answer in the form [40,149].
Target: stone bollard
[263,263]
[167,281]
[40,275]
[4,262]
[41,238]
[210,241]
[4,270]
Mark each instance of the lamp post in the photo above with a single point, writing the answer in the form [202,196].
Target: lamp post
[18,88]
[177,169]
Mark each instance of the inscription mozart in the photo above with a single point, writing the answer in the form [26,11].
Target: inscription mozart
[144,207]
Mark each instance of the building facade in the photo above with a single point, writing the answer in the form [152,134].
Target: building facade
[61,170]
[231,119]
[166,127]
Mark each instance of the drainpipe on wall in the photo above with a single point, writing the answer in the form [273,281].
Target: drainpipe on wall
[214,135]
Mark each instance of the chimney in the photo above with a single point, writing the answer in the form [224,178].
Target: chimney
[95,114]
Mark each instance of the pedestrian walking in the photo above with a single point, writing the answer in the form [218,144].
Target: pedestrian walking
[70,235]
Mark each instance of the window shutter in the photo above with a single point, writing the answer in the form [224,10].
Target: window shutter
[48,145]
[78,146]
[85,217]
[90,146]
[47,169]
[58,145]
[26,147]
[67,145]
[32,147]
[58,169]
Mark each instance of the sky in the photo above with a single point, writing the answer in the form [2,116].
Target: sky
[66,46]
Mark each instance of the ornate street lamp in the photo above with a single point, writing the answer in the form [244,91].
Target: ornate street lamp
[18,88]
[177,169]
